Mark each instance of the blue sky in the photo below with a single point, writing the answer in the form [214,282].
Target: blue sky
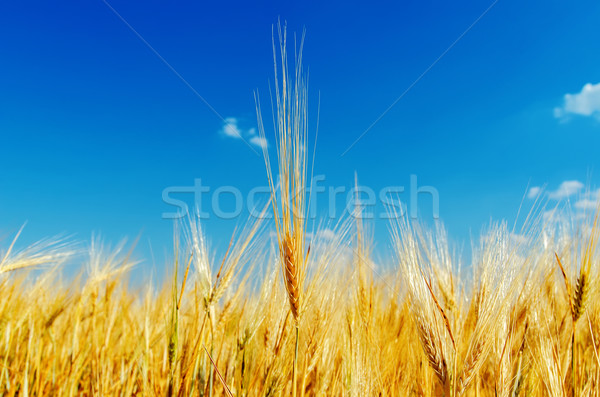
[94,126]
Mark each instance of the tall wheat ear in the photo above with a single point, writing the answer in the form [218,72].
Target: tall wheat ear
[578,297]
[290,123]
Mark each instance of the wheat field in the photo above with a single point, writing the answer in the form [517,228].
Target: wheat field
[305,316]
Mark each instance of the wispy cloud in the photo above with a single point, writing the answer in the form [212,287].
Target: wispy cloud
[566,190]
[327,234]
[231,128]
[586,204]
[259,141]
[584,201]
[584,103]
[518,239]
[534,192]
[588,201]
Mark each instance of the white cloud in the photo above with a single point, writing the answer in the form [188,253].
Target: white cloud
[259,141]
[586,204]
[589,201]
[230,128]
[327,234]
[565,190]
[518,239]
[321,234]
[551,215]
[584,103]
[579,209]
[534,192]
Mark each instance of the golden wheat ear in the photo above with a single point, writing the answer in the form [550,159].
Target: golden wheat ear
[290,271]
[289,207]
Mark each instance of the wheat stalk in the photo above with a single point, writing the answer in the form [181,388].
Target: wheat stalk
[578,296]
[289,208]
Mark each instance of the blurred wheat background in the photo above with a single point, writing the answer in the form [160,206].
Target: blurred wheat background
[512,325]
[309,316]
